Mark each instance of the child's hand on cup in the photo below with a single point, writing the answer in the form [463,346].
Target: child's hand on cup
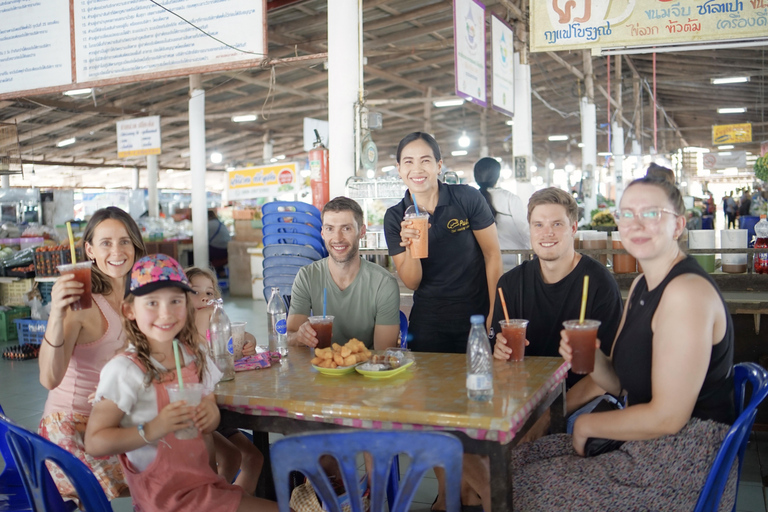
[207,415]
[249,348]
[174,416]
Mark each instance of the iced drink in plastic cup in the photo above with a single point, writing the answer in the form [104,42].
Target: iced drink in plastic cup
[582,338]
[192,394]
[82,272]
[514,332]
[420,222]
[238,339]
[323,327]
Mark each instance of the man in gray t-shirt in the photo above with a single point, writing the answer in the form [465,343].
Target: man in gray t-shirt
[363,297]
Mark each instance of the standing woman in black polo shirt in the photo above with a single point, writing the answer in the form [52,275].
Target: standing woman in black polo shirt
[464,260]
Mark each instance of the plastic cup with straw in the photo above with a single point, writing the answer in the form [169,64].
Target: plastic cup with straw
[513,331]
[323,325]
[191,393]
[419,247]
[582,336]
[82,273]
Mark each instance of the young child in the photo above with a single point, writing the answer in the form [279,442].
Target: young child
[132,416]
[232,449]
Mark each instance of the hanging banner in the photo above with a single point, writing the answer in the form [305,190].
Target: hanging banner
[469,50]
[34,45]
[764,148]
[263,181]
[569,25]
[137,137]
[731,133]
[503,78]
[725,160]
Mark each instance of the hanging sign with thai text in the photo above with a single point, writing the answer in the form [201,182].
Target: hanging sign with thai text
[137,137]
[262,181]
[469,50]
[502,78]
[567,24]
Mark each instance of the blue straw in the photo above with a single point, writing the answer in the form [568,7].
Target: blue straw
[325,299]
[415,206]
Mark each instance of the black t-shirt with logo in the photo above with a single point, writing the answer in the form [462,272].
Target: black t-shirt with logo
[547,305]
[453,285]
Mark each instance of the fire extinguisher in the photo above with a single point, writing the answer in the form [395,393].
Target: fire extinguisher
[318,178]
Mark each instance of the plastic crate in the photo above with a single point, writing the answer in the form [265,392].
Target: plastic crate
[15,294]
[7,325]
[30,331]
[47,261]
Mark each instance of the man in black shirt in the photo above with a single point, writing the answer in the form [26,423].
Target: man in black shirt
[547,290]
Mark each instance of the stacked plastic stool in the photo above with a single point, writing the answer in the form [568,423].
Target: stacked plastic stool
[291,238]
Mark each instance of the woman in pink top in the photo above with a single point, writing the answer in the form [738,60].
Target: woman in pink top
[77,344]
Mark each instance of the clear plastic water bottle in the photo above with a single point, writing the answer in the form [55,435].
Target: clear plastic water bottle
[277,323]
[479,362]
[221,341]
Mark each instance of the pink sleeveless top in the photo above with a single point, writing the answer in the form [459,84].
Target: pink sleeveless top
[85,366]
[180,478]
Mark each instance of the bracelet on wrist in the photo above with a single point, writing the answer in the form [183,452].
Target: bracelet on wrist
[142,433]
[51,344]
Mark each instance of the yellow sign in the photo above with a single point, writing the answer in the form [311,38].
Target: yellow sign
[731,133]
[568,24]
[263,181]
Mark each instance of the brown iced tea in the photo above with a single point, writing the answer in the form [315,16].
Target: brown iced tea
[514,333]
[82,273]
[323,327]
[582,338]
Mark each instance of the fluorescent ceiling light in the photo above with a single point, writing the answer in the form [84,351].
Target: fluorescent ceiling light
[510,122]
[725,153]
[727,146]
[388,168]
[273,160]
[448,103]
[459,173]
[556,138]
[77,92]
[604,153]
[280,157]
[464,141]
[734,110]
[730,80]
[66,142]
[244,118]
[216,157]
[458,153]
[580,144]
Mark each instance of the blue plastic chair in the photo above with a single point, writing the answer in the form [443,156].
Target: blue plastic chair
[295,239]
[297,217]
[291,227]
[291,250]
[735,442]
[279,281]
[403,330]
[290,206]
[426,449]
[275,261]
[29,452]
[11,485]
[281,270]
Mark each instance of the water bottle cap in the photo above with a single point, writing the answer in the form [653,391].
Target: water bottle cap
[477,319]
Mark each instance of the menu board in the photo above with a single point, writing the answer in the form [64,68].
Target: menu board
[123,37]
[565,25]
[34,45]
[56,45]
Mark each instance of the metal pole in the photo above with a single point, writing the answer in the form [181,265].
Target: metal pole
[197,167]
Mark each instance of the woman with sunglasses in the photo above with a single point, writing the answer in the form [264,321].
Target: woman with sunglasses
[672,358]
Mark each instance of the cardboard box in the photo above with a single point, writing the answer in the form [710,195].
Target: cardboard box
[245,232]
[240,284]
[244,213]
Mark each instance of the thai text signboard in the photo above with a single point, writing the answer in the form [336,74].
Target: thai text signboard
[566,25]
[731,133]
[262,181]
[469,50]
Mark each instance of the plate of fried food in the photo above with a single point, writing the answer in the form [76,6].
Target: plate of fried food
[340,360]
[382,366]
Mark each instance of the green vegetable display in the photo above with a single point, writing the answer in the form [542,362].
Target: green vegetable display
[761,168]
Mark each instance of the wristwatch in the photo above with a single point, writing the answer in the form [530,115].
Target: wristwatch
[142,433]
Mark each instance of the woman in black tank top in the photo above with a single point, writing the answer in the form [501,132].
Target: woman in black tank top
[672,358]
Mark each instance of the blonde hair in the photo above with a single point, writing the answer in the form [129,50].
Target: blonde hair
[186,337]
[208,274]
[553,195]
